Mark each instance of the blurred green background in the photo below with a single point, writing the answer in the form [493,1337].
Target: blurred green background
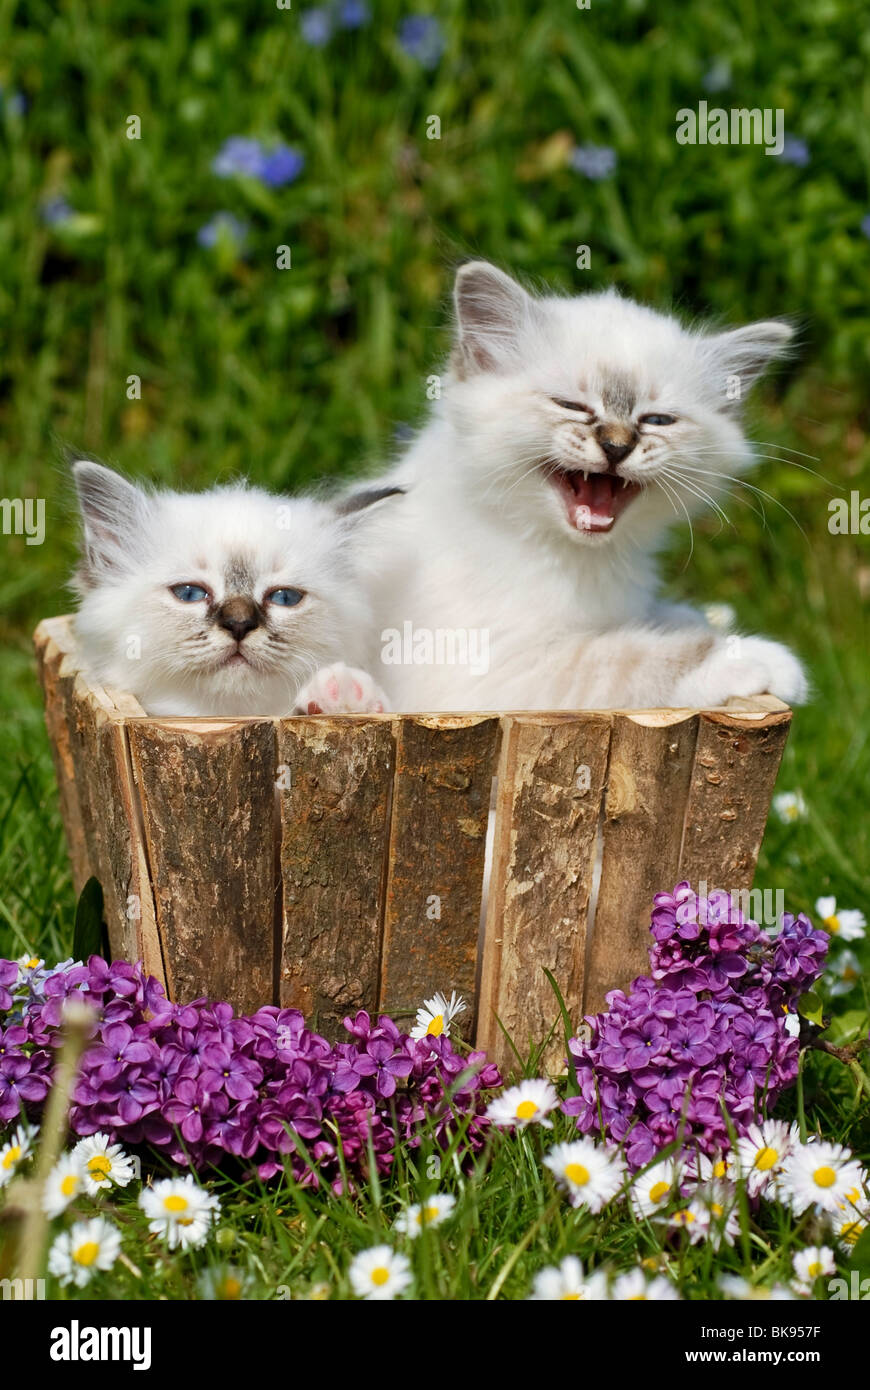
[292,374]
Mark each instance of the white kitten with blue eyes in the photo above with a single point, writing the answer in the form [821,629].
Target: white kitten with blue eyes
[227,602]
[571,432]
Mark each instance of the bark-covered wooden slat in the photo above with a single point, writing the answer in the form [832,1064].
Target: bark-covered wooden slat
[647,790]
[57,675]
[441,795]
[736,763]
[335,786]
[551,780]
[207,795]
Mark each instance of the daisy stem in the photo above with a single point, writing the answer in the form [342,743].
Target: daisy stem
[35,1224]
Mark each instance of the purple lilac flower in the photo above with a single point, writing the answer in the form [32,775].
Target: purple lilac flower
[795,151]
[705,1030]
[422,38]
[223,226]
[202,1085]
[595,161]
[316,26]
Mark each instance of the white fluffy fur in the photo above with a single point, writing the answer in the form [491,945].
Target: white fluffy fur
[136,635]
[483,541]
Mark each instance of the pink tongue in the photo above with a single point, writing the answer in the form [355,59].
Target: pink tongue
[595,493]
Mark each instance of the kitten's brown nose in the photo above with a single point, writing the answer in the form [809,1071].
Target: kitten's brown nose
[617,441]
[238,615]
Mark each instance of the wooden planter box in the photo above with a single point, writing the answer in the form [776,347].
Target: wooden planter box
[332,864]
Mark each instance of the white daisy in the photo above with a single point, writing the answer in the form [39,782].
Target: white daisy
[762,1152]
[64,1182]
[694,1219]
[790,806]
[735,1286]
[821,1175]
[14,1153]
[704,1170]
[846,925]
[849,1227]
[813,1263]
[635,1287]
[86,1247]
[843,973]
[653,1189]
[721,616]
[590,1174]
[379,1273]
[223,1284]
[528,1103]
[720,1201]
[567,1283]
[180,1210]
[27,965]
[437,1014]
[104,1163]
[429,1213]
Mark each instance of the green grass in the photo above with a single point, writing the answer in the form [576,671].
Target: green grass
[293,375]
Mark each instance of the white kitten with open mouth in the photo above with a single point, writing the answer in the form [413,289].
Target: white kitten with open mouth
[570,434]
[227,602]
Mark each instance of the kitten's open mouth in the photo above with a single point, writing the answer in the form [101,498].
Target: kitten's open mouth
[236,658]
[592,501]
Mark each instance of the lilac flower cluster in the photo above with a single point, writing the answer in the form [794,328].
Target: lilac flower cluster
[705,1034]
[199,1083]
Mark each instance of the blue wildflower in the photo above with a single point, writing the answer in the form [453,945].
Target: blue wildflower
[239,155]
[281,165]
[316,26]
[224,226]
[353,14]
[55,211]
[595,161]
[795,151]
[718,76]
[865,225]
[421,37]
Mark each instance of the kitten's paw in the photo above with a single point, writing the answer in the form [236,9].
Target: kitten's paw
[340,689]
[744,666]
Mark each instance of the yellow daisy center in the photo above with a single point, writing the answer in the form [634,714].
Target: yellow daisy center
[175,1203]
[766,1158]
[684,1218]
[32,963]
[849,972]
[815,1269]
[720,1168]
[659,1191]
[380,1275]
[576,1173]
[86,1253]
[436,1027]
[185,1221]
[526,1109]
[637,1298]
[428,1214]
[716,1209]
[69,1184]
[231,1287]
[824,1177]
[570,1298]
[832,923]
[99,1167]
[851,1231]
[12,1156]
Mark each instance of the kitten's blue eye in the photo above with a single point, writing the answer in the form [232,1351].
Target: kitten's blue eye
[189,593]
[286,598]
[658,419]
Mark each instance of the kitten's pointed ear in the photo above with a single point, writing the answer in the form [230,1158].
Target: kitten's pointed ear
[114,515]
[492,311]
[742,354]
